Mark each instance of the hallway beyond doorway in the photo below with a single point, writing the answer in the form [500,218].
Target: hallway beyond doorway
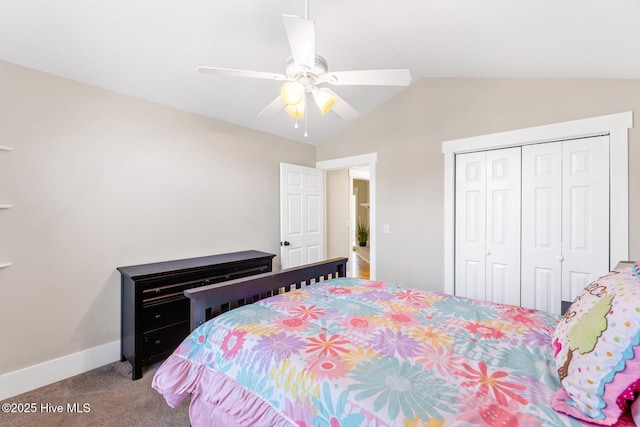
[360,266]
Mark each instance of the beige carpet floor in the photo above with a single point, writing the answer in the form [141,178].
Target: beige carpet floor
[111,397]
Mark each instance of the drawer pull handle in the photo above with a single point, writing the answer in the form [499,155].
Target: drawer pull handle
[158,291]
[158,342]
[158,317]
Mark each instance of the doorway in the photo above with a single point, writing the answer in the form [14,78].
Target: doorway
[340,221]
[360,224]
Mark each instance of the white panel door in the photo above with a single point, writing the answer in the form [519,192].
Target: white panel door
[470,225]
[585,218]
[301,215]
[502,247]
[541,282]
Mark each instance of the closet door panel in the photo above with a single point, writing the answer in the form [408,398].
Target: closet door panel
[503,226]
[541,226]
[470,225]
[532,222]
[585,220]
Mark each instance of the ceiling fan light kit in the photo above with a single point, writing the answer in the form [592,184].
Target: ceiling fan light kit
[324,99]
[296,110]
[292,93]
[305,71]
[304,80]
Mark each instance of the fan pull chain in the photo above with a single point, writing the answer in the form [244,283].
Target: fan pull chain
[305,118]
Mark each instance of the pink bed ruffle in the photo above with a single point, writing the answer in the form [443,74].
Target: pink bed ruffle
[216,399]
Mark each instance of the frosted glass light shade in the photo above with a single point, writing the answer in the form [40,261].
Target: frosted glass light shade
[324,100]
[292,93]
[297,110]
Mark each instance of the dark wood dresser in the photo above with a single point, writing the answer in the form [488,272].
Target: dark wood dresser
[155,312]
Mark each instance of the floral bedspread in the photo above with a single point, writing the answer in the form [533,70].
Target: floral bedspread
[350,352]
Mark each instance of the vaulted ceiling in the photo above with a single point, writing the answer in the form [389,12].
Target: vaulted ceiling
[150,49]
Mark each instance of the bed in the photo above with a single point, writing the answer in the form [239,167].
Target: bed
[315,348]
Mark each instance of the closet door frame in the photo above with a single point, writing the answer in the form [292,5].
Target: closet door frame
[616,126]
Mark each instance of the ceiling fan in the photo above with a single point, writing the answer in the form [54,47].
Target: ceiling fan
[305,72]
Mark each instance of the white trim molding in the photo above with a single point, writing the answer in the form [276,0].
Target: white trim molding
[615,125]
[359,174]
[347,162]
[32,377]
[360,160]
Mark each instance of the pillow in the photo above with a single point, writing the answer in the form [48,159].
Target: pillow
[597,352]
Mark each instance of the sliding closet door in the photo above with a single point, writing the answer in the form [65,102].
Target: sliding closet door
[585,218]
[488,225]
[541,226]
[470,225]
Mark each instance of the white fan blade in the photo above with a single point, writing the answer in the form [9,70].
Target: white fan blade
[343,109]
[274,106]
[241,73]
[370,78]
[302,39]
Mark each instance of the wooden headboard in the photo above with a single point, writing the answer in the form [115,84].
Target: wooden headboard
[211,300]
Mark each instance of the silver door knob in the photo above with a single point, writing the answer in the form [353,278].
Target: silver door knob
[560,258]
[487,253]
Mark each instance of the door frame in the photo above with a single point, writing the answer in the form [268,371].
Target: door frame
[346,163]
[614,125]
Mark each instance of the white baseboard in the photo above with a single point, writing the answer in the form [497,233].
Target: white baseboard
[32,377]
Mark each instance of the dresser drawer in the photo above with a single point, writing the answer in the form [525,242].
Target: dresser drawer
[206,276]
[169,291]
[164,339]
[163,314]
[150,294]
[245,271]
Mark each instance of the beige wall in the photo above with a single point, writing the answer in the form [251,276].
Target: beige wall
[100,180]
[337,206]
[407,133]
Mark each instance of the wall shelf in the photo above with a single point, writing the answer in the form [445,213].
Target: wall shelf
[5,265]
[6,206]
[4,148]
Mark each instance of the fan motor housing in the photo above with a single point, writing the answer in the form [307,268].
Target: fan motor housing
[305,75]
